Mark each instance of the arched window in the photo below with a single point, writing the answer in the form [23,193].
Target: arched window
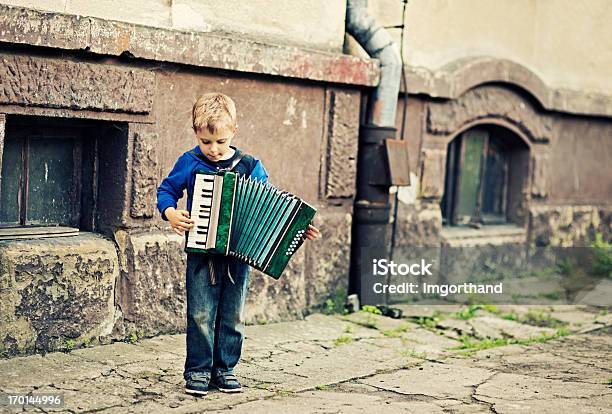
[486,168]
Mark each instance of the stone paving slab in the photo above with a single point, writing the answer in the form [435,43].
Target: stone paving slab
[423,343]
[434,380]
[545,406]
[599,295]
[513,393]
[336,364]
[173,344]
[120,353]
[492,327]
[53,367]
[333,402]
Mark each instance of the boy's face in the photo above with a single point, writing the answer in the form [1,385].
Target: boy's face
[216,147]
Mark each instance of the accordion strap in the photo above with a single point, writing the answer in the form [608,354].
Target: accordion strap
[231,167]
[234,163]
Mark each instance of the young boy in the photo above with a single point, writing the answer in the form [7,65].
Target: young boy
[216,285]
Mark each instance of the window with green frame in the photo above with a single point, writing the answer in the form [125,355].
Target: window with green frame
[485,170]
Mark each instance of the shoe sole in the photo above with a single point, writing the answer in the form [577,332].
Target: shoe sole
[228,390]
[195,392]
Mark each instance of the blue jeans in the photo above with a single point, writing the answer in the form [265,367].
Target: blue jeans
[215,313]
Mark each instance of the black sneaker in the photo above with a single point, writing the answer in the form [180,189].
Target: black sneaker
[197,384]
[226,382]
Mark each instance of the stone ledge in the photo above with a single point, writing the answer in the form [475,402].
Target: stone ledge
[64,297]
[36,232]
[62,31]
[493,235]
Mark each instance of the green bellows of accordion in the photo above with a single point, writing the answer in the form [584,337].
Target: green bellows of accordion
[302,219]
[261,211]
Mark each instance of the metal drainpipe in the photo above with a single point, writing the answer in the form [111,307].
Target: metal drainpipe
[370,234]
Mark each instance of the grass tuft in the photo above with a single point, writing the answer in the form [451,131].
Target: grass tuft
[343,340]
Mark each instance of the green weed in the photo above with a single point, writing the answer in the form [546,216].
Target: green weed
[286,393]
[70,343]
[428,322]
[395,332]
[472,344]
[371,309]
[542,319]
[554,295]
[535,318]
[134,337]
[412,353]
[471,310]
[335,303]
[565,267]
[602,261]
[343,340]
[511,317]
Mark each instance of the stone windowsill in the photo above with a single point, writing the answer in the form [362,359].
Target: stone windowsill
[493,235]
[14,233]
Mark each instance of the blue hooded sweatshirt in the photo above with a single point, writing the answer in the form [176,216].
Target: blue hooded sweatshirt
[182,176]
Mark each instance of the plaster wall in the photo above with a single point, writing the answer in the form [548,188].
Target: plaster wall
[314,24]
[565,42]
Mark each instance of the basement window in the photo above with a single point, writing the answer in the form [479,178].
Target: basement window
[486,168]
[47,176]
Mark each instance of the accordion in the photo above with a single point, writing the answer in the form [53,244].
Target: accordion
[247,219]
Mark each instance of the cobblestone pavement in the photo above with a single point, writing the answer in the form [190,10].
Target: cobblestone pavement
[434,360]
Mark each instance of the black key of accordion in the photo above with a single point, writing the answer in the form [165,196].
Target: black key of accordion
[199,242]
[207,192]
[203,216]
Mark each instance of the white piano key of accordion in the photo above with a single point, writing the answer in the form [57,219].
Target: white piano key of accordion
[202,200]
[207,185]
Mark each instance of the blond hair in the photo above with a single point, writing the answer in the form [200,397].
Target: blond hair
[213,111]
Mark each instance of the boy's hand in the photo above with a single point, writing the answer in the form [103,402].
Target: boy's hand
[179,220]
[312,233]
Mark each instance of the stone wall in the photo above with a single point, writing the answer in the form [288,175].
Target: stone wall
[56,293]
[304,132]
[568,226]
